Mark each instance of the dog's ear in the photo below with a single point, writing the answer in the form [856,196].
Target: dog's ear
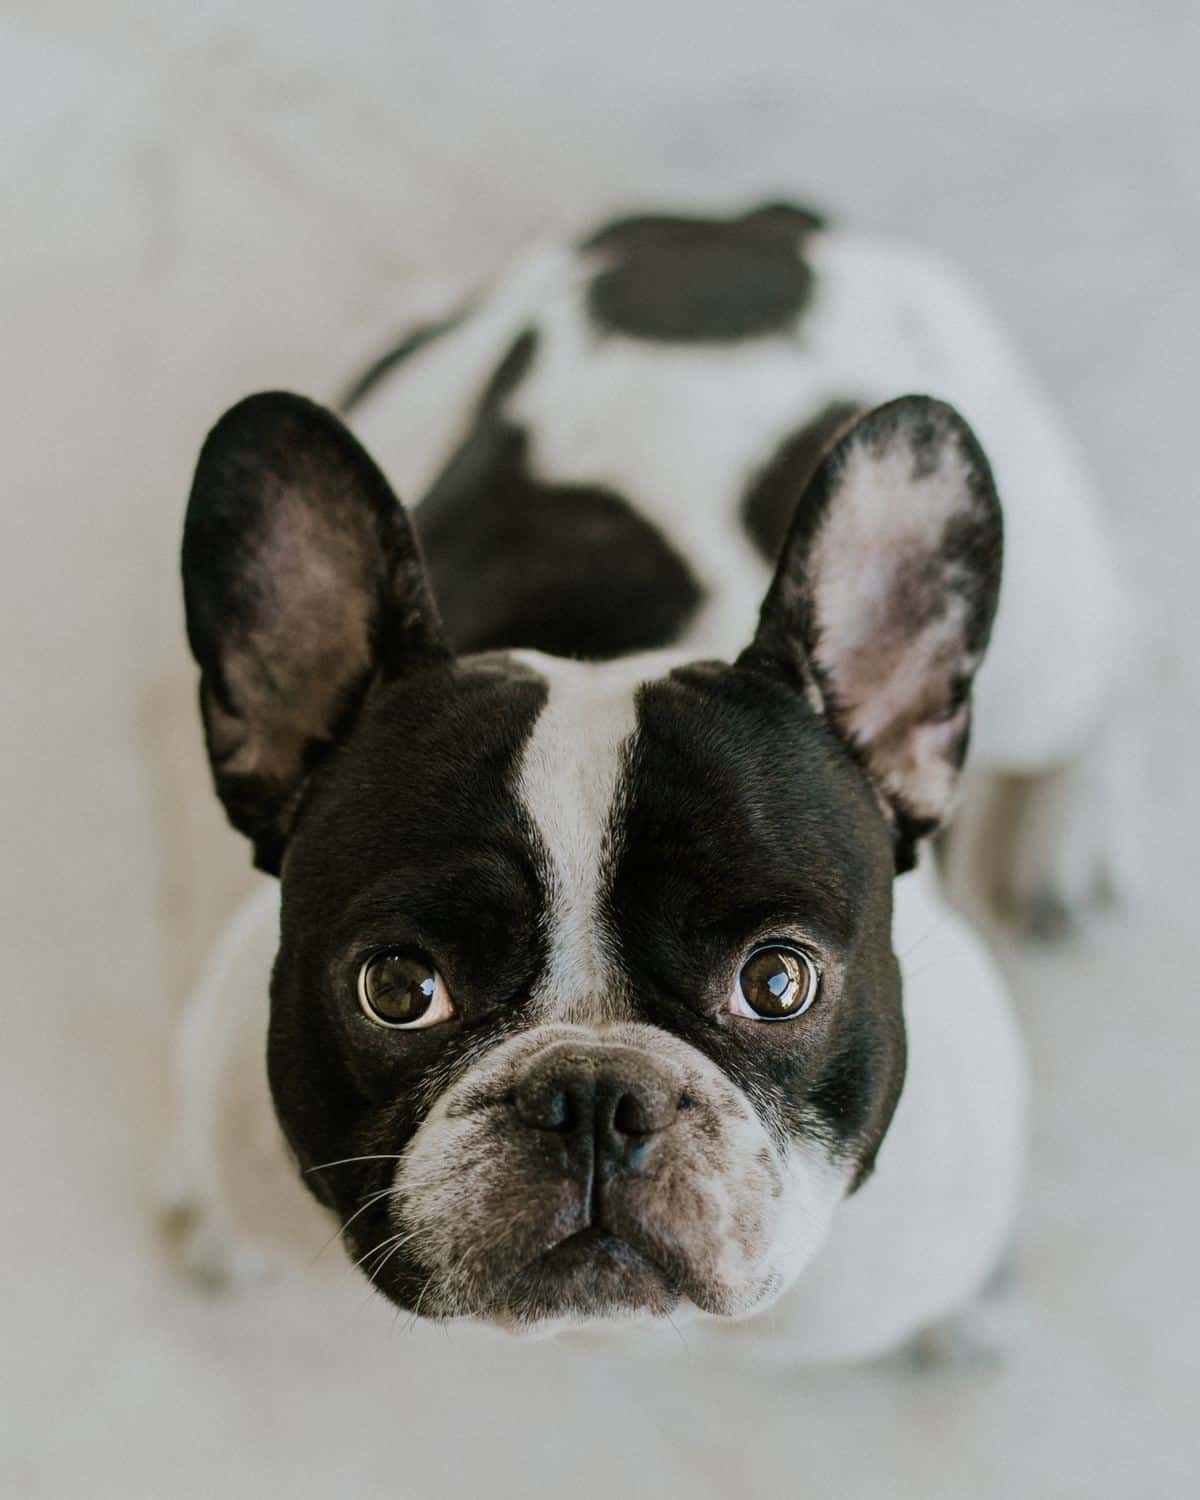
[883,599]
[302,579]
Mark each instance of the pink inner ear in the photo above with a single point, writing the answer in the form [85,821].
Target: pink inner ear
[287,673]
[892,616]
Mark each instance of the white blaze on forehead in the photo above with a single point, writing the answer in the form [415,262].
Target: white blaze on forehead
[568,783]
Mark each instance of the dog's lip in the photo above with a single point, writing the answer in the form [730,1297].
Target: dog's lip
[594,1272]
[598,1242]
[593,1236]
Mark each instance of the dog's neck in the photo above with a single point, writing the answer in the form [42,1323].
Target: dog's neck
[567,569]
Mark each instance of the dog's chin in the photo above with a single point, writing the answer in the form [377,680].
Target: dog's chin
[589,1278]
[599,1276]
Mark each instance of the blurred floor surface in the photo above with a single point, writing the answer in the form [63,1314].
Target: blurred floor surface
[201,204]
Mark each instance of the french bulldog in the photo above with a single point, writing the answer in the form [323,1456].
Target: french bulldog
[599,786]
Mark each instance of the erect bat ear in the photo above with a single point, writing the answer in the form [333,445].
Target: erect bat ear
[883,600]
[302,579]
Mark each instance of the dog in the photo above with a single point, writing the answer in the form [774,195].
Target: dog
[599,788]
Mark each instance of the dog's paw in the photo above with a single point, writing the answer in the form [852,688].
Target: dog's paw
[1070,859]
[980,1335]
[1052,853]
[1050,898]
[206,1253]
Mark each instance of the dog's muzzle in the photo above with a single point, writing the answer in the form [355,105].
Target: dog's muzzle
[571,1176]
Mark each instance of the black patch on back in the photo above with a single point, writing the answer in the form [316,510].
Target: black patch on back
[743,818]
[770,502]
[510,372]
[412,343]
[678,279]
[568,569]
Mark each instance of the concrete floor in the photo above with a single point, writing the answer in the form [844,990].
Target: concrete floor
[200,205]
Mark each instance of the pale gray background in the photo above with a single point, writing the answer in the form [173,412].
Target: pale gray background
[196,204]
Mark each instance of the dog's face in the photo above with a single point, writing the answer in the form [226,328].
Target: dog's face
[585,1004]
[597,959]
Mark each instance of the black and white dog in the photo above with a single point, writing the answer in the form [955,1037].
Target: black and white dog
[588,788]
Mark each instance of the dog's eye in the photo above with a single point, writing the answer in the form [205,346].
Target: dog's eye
[775,984]
[403,990]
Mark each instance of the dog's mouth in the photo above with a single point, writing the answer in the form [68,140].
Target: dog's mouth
[590,1274]
[616,1195]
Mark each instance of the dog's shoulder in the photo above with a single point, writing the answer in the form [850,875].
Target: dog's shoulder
[733,328]
[635,413]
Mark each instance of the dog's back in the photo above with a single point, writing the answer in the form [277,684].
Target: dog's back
[593,474]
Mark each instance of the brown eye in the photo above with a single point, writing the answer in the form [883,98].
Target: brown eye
[775,984]
[403,990]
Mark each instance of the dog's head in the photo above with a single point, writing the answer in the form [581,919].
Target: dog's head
[585,1003]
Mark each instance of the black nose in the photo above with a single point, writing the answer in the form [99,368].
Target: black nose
[605,1103]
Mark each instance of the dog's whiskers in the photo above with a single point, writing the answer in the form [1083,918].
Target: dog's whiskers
[372,1199]
[931,931]
[416,1312]
[679,1334]
[385,1249]
[344,1161]
[391,1243]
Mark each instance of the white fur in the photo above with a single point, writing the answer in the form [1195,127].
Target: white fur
[567,780]
[231,1187]
[412,441]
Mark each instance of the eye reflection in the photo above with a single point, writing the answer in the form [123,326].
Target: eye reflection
[776,983]
[403,990]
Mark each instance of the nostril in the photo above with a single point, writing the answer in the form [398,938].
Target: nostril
[631,1118]
[546,1106]
[608,1095]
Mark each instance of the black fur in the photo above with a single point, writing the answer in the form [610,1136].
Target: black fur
[745,820]
[301,579]
[515,562]
[377,371]
[409,833]
[678,279]
[771,499]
